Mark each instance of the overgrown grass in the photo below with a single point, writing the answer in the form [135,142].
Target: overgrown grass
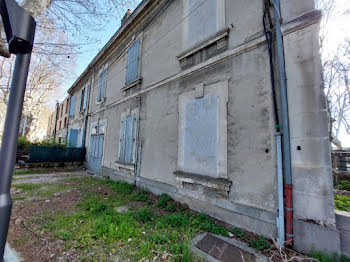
[98,233]
[27,187]
[27,172]
[139,233]
[44,190]
[342,202]
[325,257]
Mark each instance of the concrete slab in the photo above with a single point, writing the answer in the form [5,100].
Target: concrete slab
[215,248]
[11,255]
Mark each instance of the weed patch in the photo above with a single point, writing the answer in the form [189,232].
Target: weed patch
[343,185]
[261,243]
[141,196]
[205,223]
[342,202]
[240,233]
[163,201]
[121,187]
[176,220]
[27,187]
[325,257]
[143,215]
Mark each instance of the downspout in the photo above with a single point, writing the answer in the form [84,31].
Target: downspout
[288,186]
[138,142]
[87,111]
[268,26]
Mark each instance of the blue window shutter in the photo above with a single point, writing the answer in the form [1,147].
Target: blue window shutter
[85,97]
[122,140]
[73,138]
[132,69]
[72,106]
[129,139]
[102,82]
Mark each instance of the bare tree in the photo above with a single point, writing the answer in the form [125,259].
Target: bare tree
[48,70]
[336,68]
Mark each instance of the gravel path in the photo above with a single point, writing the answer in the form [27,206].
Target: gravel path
[47,177]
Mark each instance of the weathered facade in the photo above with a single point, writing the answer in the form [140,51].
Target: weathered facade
[180,102]
[58,121]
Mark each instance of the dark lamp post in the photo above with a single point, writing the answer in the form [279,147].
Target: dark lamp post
[20,31]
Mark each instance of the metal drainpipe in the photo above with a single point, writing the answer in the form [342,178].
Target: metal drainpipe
[87,111]
[138,143]
[288,186]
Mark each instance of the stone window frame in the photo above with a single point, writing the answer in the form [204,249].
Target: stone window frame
[220,23]
[221,90]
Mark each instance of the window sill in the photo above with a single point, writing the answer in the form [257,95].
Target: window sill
[220,185]
[101,101]
[202,45]
[132,84]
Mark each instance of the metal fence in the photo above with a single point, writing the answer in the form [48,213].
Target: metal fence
[44,154]
[340,165]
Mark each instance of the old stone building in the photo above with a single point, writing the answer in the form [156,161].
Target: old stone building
[58,121]
[181,101]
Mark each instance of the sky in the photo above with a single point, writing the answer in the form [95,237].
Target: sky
[88,52]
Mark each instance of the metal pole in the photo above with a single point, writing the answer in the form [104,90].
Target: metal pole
[9,143]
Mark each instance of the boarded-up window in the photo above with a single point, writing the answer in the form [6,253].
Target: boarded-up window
[132,67]
[202,20]
[201,135]
[72,107]
[102,82]
[126,146]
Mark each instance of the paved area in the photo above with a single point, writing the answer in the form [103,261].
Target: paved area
[11,255]
[220,249]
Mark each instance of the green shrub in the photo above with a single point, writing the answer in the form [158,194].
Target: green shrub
[143,215]
[163,201]
[23,143]
[261,243]
[342,202]
[344,185]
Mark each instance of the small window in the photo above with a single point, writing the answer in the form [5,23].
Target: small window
[127,139]
[102,82]
[60,126]
[82,100]
[62,109]
[132,67]
[67,105]
[72,107]
[65,122]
